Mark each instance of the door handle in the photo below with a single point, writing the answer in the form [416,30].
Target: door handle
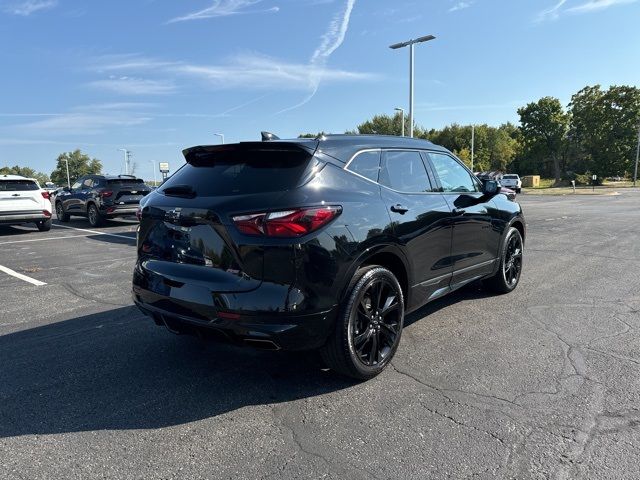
[401,209]
[458,211]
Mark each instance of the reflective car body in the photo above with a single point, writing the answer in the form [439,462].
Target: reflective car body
[201,268]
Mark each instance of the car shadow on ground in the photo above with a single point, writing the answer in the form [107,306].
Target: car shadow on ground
[117,370]
[15,231]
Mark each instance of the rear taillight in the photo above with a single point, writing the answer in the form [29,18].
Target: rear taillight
[46,213]
[287,223]
[46,195]
[106,193]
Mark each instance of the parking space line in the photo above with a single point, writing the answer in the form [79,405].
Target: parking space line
[13,273]
[42,239]
[95,232]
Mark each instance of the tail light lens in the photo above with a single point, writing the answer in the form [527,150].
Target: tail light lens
[46,195]
[106,193]
[287,223]
[46,213]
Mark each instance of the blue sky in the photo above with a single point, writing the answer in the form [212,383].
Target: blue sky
[156,76]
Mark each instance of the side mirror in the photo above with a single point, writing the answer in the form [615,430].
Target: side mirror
[491,187]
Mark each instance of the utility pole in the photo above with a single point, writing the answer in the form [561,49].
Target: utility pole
[635,173]
[153,165]
[411,44]
[68,177]
[473,142]
[401,111]
[127,155]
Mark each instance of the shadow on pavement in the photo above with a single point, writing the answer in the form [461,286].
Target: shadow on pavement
[117,370]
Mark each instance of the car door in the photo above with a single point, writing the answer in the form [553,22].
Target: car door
[86,191]
[70,199]
[420,220]
[475,242]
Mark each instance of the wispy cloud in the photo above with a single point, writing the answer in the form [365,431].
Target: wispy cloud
[562,6]
[26,8]
[134,86]
[460,6]
[329,43]
[224,8]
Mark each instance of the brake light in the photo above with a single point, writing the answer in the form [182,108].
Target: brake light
[287,223]
[106,193]
[46,213]
[46,195]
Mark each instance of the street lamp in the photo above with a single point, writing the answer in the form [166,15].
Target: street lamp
[127,153]
[410,44]
[221,135]
[68,178]
[153,165]
[473,143]
[401,110]
[635,173]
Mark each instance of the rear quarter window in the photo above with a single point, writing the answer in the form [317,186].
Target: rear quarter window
[18,185]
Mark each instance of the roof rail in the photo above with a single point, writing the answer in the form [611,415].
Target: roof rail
[268,136]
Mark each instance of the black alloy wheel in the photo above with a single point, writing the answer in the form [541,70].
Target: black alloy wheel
[369,326]
[95,219]
[63,217]
[508,275]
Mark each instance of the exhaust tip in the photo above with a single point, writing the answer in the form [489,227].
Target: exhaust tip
[262,344]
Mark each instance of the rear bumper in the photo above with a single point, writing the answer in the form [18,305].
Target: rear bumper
[263,317]
[118,210]
[16,218]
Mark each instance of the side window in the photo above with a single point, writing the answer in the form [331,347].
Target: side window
[87,184]
[366,164]
[77,184]
[453,176]
[404,171]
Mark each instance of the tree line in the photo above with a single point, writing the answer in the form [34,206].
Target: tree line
[596,133]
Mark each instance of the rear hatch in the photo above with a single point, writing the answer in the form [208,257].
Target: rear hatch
[127,191]
[186,233]
[20,196]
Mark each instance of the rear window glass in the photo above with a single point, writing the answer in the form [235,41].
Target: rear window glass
[123,181]
[17,185]
[510,177]
[241,172]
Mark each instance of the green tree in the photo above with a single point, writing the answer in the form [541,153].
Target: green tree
[79,164]
[544,126]
[386,125]
[604,128]
[25,172]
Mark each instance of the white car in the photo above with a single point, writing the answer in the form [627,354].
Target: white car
[512,181]
[23,201]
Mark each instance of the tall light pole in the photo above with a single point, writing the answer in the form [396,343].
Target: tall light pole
[221,135]
[153,165]
[635,173]
[401,110]
[410,44]
[68,178]
[473,143]
[127,154]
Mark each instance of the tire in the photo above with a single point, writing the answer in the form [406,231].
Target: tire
[60,213]
[507,277]
[95,219]
[44,225]
[365,338]
[518,190]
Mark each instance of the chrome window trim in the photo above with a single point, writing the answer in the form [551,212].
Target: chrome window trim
[382,150]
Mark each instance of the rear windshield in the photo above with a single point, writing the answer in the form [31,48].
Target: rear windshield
[511,177]
[241,172]
[17,185]
[124,181]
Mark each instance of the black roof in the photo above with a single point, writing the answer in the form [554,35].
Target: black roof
[341,147]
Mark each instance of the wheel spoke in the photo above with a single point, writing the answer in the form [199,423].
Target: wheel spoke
[361,340]
[373,353]
[377,295]
[390,304]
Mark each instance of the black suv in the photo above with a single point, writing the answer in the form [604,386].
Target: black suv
[99,197]
[320,244]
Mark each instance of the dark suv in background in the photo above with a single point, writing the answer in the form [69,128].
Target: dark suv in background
[320,244]
[100,197]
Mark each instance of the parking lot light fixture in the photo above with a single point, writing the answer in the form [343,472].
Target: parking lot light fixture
[401,111]
[411,44]
[221,135]
[635,172]
[68,177]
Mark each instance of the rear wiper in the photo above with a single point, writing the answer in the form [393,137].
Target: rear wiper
[180,191]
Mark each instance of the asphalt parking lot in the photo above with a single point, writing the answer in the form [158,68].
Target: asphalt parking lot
[542,383]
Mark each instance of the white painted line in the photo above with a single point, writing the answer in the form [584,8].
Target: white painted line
[13,273]
[43,239]
[95,232]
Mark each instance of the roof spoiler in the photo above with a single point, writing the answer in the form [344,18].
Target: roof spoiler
[192,153]
[268,136]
